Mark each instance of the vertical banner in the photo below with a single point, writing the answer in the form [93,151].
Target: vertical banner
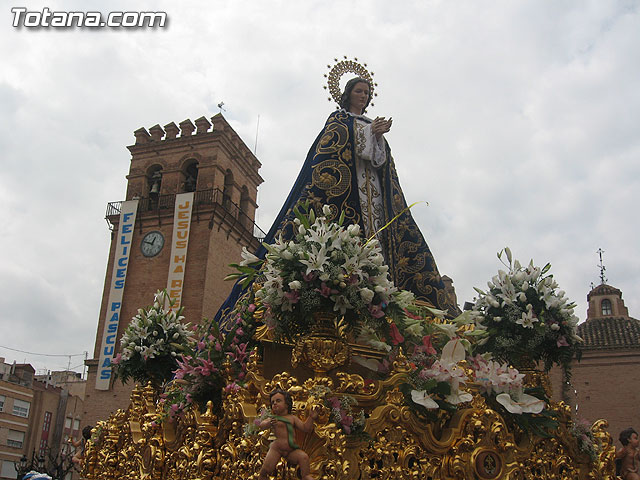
[118,276]
[179,243]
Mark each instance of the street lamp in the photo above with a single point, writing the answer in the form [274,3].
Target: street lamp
[21,466]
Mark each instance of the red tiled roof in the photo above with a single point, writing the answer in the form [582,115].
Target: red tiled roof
[610,333]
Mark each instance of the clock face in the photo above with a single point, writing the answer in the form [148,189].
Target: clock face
[152,244]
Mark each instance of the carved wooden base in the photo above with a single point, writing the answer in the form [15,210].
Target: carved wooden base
[474,443]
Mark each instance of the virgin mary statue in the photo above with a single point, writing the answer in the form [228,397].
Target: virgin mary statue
[350,168]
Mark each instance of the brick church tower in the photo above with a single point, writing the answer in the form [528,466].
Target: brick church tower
[605,383]
[189,208]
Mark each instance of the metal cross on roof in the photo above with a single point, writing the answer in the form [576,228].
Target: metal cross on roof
[603,279]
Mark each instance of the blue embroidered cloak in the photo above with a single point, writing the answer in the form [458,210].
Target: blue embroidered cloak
[328,176]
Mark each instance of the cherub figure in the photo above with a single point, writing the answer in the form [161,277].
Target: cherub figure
[628,455]
[78,457]
[283,424]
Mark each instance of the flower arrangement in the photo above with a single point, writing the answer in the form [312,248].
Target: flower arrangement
[436,350]
[526,317]
[342,414]
[326,267]
[151,343]
[208,358]
[587,443]
[341,410]
[437,384]
[507,384]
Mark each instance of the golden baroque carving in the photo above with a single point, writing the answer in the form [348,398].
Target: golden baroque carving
[472,443]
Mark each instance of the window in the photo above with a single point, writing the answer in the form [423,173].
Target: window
[8,469]
[191,176]
[21,408]
[606,307]
[42,451]
[15,439]
[76,424]
[2,399]
[46,425]
[67,422]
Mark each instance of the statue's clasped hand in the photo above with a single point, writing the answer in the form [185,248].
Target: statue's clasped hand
[381,125]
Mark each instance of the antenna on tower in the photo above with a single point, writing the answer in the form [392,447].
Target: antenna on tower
[220,105]
[602,268]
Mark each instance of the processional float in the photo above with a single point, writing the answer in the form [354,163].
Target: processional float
[403,390]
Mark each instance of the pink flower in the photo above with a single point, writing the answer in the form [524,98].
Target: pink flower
[376,311]
[251,308]
[411,315]
[241,353]
[239,332]
[117,359]
[207,368]
[293,296]
[201,345]
[426,346]
[308,277]
[218,347]
[384,366]
[562,341]
[325,291]
[211,338]
[233,387]
[396,337]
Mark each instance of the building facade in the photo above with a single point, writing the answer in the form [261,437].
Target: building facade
[203,167]
[37,420]
[604,383]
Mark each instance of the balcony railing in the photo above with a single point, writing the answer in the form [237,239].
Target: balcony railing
[203,198]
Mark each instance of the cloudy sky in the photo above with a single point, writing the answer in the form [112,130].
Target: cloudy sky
[512,119]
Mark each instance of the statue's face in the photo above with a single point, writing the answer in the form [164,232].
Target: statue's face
[359,97]
[278,404]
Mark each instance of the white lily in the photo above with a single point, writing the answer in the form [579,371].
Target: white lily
[368,336]
[366,295]
[341,303]
[316,260]
[414,328]
[525,403]
[368,363]
[528,319]
[248,257]
[458,396]
[421,397]
[437,312]
[449,329]
[404,298]
[453,352]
